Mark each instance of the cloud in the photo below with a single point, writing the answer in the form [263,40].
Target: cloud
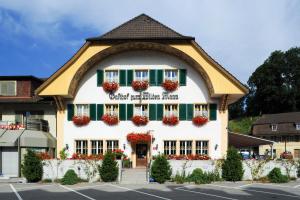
[238,34]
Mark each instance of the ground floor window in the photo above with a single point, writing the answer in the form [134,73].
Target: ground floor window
[202,147]
[170,147]
[81,147]
[97,147]
[112,145]
[186,147]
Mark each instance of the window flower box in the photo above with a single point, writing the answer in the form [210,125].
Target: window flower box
[139,120]
[110,119]
[188,157]
[139,85]
[200,120]
[77,156]
[169,85]
[110,87]
[138,137]
[81,120]
[171,121]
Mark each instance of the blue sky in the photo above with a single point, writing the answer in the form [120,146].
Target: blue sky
[39,36]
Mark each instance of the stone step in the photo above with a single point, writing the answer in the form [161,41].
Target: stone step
[134,176]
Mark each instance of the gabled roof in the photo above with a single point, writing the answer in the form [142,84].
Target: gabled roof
[141,27]
[291,117]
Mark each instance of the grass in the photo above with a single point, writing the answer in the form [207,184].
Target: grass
[241,125]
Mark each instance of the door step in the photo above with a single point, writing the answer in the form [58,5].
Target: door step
[134,176]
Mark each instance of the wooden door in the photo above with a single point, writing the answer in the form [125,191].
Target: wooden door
[141,155]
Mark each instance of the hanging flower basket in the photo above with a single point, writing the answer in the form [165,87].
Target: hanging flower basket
[81,120]
[200,120]
[138,137]
[170,86]
[110,87]
[171,121]
[140,120]
[110,119]
[139,85]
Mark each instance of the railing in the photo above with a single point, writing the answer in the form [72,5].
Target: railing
[30,124]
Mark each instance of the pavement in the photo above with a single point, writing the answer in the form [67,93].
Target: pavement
[93,191]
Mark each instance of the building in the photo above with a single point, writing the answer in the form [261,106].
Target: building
[283,128]
[117,77]
[26,121]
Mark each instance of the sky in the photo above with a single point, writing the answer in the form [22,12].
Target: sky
[38,36]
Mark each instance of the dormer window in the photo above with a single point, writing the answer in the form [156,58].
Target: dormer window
[298,126]
[8,88]
[274,127]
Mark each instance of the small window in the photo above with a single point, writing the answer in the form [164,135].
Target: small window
[8,88]
[97,147]
[141,110]
[171,75]
[141,75]
[112,145]
[185,147]
[170,147]
[202,147]
[298,126]
[274,127]
[82,110]
[112,76]
[201,110]
[81,147]
[171,110]
[112,109]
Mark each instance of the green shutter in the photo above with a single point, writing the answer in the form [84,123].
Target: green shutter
[122,112]
[93,112]
[129,111]
[159,111]
[153,77]
[70,108]
[99,77]
[99,111]
[122,77]
[190,111]
[182,77]
[160,77]
[152,112]
[129,77]
[182,111]
[213,112]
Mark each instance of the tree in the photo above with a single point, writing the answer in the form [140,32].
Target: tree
[232,168]
[32,167]
[161,169]
[109,169]
[237,109]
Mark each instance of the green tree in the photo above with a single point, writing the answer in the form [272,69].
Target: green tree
[32,167]
[109,169]
[161,169]
[237,109]
[232,168]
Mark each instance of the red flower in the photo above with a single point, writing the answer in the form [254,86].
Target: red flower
[171,121]
[139,120]
[110,86]
[110,119]
[188,157]
[44,156]
[138,137]
[81,120]
[170,86]
[77,156]
[139,85]
[200,120]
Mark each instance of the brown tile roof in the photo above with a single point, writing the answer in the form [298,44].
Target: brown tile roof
[279,118]
[141,27]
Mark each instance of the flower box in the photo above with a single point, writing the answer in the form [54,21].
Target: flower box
[138,137]
[170,86]
[110,119]
[140,120]
[188,157]
[81,120]
[171,121]
[139,85]
[77,156]
[200,120]
[110,87]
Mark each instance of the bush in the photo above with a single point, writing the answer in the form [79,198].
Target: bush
[109,169]
[200,177]
[232,168]
[70,178]
[32,167]
[160,169]
[179,179]
[275,176]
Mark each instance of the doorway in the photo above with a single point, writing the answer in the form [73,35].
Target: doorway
[141,155]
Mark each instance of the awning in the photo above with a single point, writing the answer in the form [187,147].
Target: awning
[241,140]
[9,138]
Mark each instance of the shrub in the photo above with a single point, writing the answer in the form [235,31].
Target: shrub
[70,178]
[32,167]
[179,179]
[232,168]
[160,169]
[275,176]
[200,177]
[109,169]
[47,180]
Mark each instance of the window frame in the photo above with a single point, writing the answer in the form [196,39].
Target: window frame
[81,104]
[201,150]
[81,148]
[134,113]
[201,104]
[297,126]
[112,70]
[112,104]
[170,104]
[15,88]
[165,77]
[113,145]
[98,147]
[169,150]
[274,127]
[185,142]
[135,77]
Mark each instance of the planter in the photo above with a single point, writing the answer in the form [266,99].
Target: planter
[81,120]
[77,156]
[139,85]
[140,120]
[200,120]
[170,86]
[110,87]
[138,137]
[110,119]
[188,157]
[171,121]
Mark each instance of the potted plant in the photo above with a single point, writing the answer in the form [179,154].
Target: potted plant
[110,87]
[110,119]
[171,121]
[200,120]
[139,85]
[81,120]
[140,120]
[169,85]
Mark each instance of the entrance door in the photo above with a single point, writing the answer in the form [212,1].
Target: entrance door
[10,161]
[141,155]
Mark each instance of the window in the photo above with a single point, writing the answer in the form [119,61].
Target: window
[112,109]
[8,88]
[171,75]
[111,76]
[202,147]
[298,126]
[81,147]
[112,145]
[170,147]
[171,110]
[141,75]
[97,147]
[274,127]
[20,116]
[201,110]
[185,147]
[141,110]
[82,110]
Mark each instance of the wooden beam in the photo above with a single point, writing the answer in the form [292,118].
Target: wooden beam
[224,103]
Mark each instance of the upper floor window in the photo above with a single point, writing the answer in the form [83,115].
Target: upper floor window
[8,88]
[201,110]
[141,75]
[298,126]
[274,127]
[112,76]
[171,110]
[82,110]
[112,109]
[170,147]
[171,75]
[141,110]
